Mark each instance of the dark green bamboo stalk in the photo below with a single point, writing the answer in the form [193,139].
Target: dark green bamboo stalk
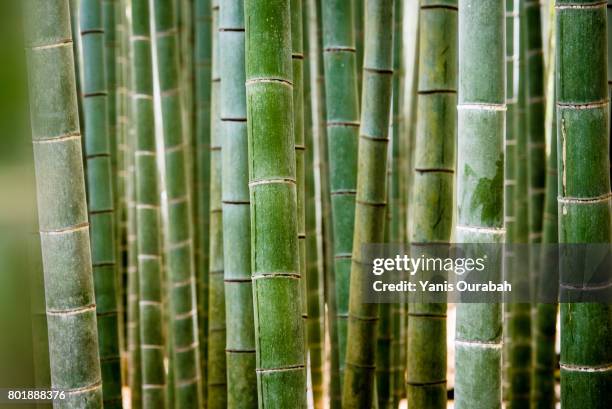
[342,137]
[519,317]
[69,289]
[314,234]
[584,194]
[358,26]
[609,19]
[217,379]
[480,191]
[100,197]
[322,196]
[181,283]
[152,347]
[370,199]
[279,332]
[297,59]
[186,43]
[202,61]
[240,345]
[432,207]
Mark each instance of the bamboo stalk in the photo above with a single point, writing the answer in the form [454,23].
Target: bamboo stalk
[203,76]
[279,332]
[217,383]
[240,344]
[371,199]
[584,194]
[152,346]
[181,283]
[342,138]
[432,206]
[69,289]
[480,195]
[100,196]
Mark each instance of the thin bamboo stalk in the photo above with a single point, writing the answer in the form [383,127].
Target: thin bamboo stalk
[217,380]
[371,199]
[480,191]
[100,197]
[240,344]
[152,345]
[62,209]
[181,276]
[279,331]
[203,76]
[584,193]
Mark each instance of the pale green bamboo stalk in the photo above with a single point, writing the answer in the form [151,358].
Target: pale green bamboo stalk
[279,330]
[480,192]
[584,195]
[358,388]
[202,61]
[100,196]
[69,289]
[181,275]
[152,346]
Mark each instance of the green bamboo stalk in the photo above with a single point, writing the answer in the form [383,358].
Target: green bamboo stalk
[609,25]
[544,355]
[480,191]
[584,193]
[152,348]
[100,197]
[186,43]
[240,345]
[519,318]
[297,59]
[202,61]
[217,379]
[279,332]
[358,25]
[76,48]
[398,214]
[510,174]
[342,137]
[536,164]
[432,207]
[370,199]
[314,235]
[322,197]
[62,209]
[181,276]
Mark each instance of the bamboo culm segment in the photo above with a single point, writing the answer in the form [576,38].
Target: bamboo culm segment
[240,344]
[181,277]
[202,61]
[584,195]
[62,209]
[433,186]
[342,106]
[152,346]
[480,195]
[100,197]
[216,377]
[279,332]
[370,200]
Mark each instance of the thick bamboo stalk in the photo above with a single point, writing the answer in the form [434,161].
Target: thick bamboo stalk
[584,193]
[240,344]
[279,331]
[433,186]
[202,61]
[181,276]
[370,199]
[62,209]
[314,235]
[480,191]
[100,197]
[216,379]
[342,137]
[152,348]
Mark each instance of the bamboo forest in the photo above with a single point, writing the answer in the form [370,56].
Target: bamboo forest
[207,203]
